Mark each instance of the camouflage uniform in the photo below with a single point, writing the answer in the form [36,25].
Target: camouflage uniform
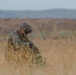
[18,43]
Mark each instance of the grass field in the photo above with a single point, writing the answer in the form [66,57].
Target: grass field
[60,57]
[56,39]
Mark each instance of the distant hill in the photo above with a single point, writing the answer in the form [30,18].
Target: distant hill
[51,13]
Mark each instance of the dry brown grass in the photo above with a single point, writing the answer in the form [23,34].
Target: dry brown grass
[59,50]
[60,56]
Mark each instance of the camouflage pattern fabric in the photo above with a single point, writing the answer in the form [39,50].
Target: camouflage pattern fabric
[21,49]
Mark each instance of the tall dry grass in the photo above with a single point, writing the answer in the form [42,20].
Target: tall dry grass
[60,55]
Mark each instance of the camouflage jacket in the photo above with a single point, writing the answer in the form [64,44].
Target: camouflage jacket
[17,41]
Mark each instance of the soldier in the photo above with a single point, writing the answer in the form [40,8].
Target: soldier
[17,42]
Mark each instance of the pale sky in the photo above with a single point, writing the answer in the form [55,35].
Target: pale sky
[36,4]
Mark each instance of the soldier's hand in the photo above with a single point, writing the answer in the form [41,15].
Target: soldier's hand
[31,45]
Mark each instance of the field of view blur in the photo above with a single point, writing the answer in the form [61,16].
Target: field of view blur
[56,38]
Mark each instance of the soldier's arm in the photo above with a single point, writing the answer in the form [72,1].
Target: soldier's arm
[39,60]
[33,47]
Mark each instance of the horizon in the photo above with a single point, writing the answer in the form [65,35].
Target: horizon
[36,10]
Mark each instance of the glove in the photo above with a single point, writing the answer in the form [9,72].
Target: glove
[31,45]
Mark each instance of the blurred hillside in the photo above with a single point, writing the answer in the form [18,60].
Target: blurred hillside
[50,13]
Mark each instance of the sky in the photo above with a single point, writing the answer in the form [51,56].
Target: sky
[36,4]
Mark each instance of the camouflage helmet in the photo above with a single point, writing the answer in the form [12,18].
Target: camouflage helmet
[26,27]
